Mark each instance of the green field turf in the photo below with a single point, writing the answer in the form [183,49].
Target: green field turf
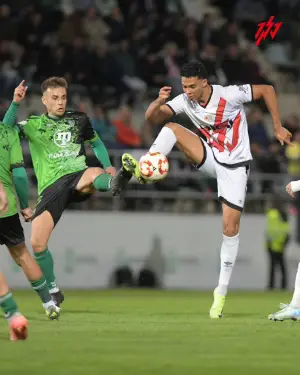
[135,332]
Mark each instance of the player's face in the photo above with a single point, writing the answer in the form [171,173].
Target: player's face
[194,87]
[55,100]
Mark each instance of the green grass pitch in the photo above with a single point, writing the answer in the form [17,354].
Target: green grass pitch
[131,332]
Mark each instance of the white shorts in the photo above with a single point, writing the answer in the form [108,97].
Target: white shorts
[232,182]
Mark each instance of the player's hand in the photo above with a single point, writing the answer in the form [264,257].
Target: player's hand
[283,136]
[20,92]
[111,170]
[27,214]
[3,202]
[164,93]
[289,190]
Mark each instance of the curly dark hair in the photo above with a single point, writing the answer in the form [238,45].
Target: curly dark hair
[194,69]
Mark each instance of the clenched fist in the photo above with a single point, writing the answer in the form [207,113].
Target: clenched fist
[164,93]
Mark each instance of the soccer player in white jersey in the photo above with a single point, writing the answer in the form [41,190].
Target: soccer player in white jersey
[290,311]
[217,112]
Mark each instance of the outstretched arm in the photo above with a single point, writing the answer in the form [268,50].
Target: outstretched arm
[21,185]
[101,152]
[268,94]
[10,117]
[158,111]
[98,147]
[19,174]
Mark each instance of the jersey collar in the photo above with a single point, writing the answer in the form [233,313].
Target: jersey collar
[209,98]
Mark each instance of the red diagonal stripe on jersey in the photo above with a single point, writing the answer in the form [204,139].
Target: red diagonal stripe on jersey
[235,129]
[222,128]
[220,111]
[210,140]
[219,122]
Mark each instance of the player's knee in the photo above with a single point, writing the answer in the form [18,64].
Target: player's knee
[93,173]
[96,171]
[37,245]
[173,126]
[18,253]
[231,228]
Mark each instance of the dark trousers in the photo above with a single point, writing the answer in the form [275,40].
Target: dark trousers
[277,261]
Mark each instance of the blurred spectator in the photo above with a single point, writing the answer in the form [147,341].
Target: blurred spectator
[193,52]
[117,25]
[249,13]
[9,79]
[232,65]
[7,26]
[127,135]
[252,72]
[54,64]
[256,129]
[79,62]
[293,157]
[277,238]
[71,27]
[95,28]
[172,62]
[104,128]
[131,77]
[227,35]
[206,30]
[209,59]
[154,71]
[32,32]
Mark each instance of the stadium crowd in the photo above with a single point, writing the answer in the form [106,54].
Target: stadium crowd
[116,54]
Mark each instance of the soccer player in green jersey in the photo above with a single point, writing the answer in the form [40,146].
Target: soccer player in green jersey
[14,179]
[56,141]
[18,324]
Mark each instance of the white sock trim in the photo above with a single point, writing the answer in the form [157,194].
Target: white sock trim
[53,290]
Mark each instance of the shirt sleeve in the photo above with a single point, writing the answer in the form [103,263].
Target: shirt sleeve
[25,128]
[16,155]
[176,104]
[89,133]
[239,94]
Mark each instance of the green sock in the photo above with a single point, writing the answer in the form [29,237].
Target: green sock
[41,288]
[8,305]
[45,261]
[102,182]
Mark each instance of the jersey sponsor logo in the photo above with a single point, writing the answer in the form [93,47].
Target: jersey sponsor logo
[209,118]
[61,139]
[63,154]
[244,89]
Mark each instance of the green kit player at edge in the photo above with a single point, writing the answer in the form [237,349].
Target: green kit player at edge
[56,140]
[18,324]
[14,179]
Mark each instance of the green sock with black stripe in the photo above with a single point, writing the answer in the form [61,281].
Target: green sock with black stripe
[8,305]
[41,288]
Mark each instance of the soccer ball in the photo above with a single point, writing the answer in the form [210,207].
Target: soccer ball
[153,166]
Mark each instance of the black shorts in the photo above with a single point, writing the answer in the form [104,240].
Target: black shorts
[56,197]
[11,231]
